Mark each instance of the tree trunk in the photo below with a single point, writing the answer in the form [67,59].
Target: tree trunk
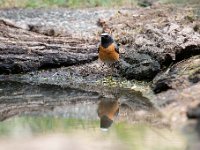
[22,50]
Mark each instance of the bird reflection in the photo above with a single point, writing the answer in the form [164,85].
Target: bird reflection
[107,110]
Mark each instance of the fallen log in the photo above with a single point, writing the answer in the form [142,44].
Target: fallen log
[22,50]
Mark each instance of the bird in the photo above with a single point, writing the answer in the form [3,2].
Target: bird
[107,110]
[108,50]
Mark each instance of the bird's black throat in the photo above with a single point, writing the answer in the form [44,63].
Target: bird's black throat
[105,42]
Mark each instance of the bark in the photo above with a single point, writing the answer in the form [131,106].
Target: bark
[22,50]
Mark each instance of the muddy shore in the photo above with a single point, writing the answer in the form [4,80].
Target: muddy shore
[159,48]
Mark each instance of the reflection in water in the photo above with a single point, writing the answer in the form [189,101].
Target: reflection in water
[28,109]
[21,98]
[107,110]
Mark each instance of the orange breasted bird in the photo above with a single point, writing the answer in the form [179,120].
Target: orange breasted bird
[107,110]
[108,49]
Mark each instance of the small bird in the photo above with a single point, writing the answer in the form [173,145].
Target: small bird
[108,50]
[107,110]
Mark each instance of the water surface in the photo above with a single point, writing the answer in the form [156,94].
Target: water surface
[52,117]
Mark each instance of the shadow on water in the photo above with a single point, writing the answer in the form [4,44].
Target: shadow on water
[133,122]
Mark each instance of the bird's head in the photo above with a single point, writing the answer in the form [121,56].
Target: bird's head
[106,38]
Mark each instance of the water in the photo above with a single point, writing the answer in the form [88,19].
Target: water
[51,117]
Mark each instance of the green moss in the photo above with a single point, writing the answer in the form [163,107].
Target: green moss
[43,124]
[131,136]
[64,3]
[84,3]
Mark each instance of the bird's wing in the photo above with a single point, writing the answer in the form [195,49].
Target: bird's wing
[116,47]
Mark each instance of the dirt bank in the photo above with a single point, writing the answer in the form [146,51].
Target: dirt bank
[160,44]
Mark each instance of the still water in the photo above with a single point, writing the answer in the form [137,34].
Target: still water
[55,118]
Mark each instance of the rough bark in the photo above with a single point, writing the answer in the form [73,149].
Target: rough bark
[23,51]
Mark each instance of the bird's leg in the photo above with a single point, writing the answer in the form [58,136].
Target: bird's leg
[111,71]
[102,67]
[115,72]
[114,69]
